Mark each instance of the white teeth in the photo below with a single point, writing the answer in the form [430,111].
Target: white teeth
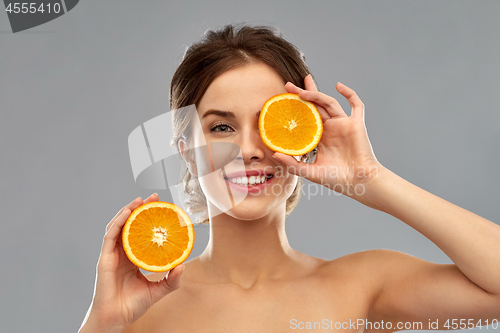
[249,181]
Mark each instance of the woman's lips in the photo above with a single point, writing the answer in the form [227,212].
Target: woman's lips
[251,188]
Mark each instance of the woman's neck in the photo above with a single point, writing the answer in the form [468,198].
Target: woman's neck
[245,252]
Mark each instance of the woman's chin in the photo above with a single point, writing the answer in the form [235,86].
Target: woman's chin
[247,211]
[250,205]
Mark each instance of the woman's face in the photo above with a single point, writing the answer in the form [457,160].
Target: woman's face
[240,93]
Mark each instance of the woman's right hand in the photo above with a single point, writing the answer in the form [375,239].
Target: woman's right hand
[122,293]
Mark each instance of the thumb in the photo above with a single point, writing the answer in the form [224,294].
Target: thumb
[173,280]
[292,165]
[168,284]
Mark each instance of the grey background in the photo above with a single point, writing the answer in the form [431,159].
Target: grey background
[73,89]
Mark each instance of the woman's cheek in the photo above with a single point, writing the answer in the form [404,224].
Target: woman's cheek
[291,185]
[215,190]
[282,187]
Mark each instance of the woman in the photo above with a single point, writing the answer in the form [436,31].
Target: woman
[249,278]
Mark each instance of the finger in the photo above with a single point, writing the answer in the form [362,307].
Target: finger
[330,104]
[133,205]
[309,83]
[111,236]
[174,277]
[292,165]
[358,108]
[166,285]
[293,89]
[152,197]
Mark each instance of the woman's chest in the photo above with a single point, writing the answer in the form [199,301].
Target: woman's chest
[282,308]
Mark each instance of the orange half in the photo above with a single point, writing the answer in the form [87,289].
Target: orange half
[290,125]
[158,236]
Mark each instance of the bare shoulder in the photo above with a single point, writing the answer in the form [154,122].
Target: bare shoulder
[381,263]
[368,268]
[370,260]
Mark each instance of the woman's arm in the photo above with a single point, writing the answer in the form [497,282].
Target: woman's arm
[414,289]
[122,293]
[470,241]
[407,288]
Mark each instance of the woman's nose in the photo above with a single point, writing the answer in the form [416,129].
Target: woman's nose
[251,145]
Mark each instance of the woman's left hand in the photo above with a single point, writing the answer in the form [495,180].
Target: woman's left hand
[345,161]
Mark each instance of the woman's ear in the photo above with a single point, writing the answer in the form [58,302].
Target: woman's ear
[188,157]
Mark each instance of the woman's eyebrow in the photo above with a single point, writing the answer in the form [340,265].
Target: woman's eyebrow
[225,114]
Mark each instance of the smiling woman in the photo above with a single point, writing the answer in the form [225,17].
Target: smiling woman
[203,65]
[249,278]
[243,90]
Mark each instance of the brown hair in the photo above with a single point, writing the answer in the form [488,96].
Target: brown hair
[217,52]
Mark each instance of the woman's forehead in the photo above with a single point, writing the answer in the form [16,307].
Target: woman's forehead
[243,88]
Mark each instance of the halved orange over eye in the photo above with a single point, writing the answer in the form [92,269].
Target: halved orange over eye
[290,125]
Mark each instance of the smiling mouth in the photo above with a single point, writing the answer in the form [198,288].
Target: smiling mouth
[250,181]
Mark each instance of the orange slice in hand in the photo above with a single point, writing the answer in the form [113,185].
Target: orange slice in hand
[290,125]
[158,236]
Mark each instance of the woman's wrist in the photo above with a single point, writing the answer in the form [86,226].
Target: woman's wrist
[369,192]
[96,324]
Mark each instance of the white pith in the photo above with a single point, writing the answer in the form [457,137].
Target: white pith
[291,125]
[159,235]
